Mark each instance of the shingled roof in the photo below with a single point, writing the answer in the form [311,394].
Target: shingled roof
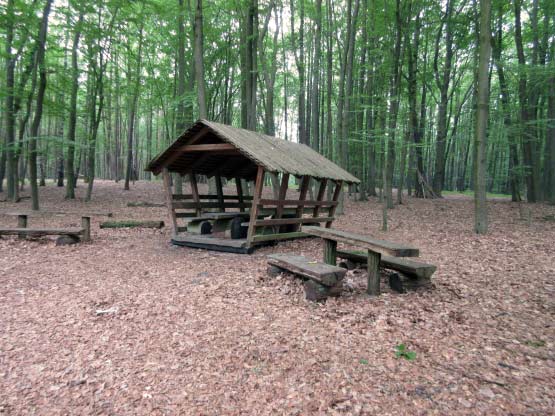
[254,149]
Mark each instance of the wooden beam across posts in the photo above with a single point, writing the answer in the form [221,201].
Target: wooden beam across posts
[176,154]
[336,193]
[22,223]
[320,196]
[240,196]
[194,191]
[213,147]
[169,200]
[282,193]
[220,192]
[258,186]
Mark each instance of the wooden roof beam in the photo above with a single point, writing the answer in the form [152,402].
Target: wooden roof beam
[215,147]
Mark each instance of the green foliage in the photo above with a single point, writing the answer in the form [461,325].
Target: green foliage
[401,351]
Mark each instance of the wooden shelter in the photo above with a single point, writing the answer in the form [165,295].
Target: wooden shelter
[221,151]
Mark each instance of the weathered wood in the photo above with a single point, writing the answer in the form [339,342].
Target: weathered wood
[281,195]
[188,148]
[168,193]
[240,195]
[274,271]
[295,203]
[132,224]
[173,157]
[39,232]
[379,246]
[322,273]
[303,189]
[182,197]
[211,243]
[185,214]
[335,198]
[320,198]
[330,252]
[373,262]
[86,225]
[407,266]
[316,292]
[202,205]
[285,221]
[22,223]
[220,192]
[145,204]
[259,185]
[196,198]
[279,237]
[219,216]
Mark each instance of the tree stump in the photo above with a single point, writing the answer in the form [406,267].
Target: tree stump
[316,292]
[403,283]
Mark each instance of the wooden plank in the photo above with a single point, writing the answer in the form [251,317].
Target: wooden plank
[322,273]
[373,284]
[240,197]
[220,191]
[302,195]
[188,148]
[336,193]
[410,267]
[279,237]
[379,246]
[177,154]
[201,205]
[210,243]
[320,198]
[281,195]
[330,252]
[22,223]
[38,232]
[132,224]
[285,221]
[259,185]
[86,225]
[185,214]
[295,203]
[181,197]
[195,194]
[168,193]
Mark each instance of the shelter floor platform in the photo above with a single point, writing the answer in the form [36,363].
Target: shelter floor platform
[212,243]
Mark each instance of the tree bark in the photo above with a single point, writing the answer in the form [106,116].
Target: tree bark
[482,111]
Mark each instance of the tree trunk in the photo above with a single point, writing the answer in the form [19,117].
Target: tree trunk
[480,161]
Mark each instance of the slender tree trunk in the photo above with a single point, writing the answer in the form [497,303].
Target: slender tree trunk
[480,161]
[70,169]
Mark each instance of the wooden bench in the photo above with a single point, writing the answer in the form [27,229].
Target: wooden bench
[213,222]
[375,249]
[323,280]
[415,274]
[82,234]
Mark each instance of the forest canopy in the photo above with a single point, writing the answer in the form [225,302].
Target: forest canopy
[388,90]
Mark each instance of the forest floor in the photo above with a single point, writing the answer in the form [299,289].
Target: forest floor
[199,332]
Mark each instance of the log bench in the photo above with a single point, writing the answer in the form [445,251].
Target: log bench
[374,249]
[213,222]
[321,279]
[22,231]
[414,273]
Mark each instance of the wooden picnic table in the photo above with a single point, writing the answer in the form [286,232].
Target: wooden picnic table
[375,248]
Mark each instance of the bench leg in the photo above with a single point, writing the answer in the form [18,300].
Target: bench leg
[330,252]
[21,223]
[373,287]
[86,225]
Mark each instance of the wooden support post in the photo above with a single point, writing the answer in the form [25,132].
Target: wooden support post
[240,198]
[336,193]
[194,191]
[282,193]
[330,252]
[220,192]
[320,196]
[86,225]
[305,181]
[258,186]
[373,287]
[22,223]
[169,199]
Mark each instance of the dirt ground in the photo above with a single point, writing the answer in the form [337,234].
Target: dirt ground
[205,333]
